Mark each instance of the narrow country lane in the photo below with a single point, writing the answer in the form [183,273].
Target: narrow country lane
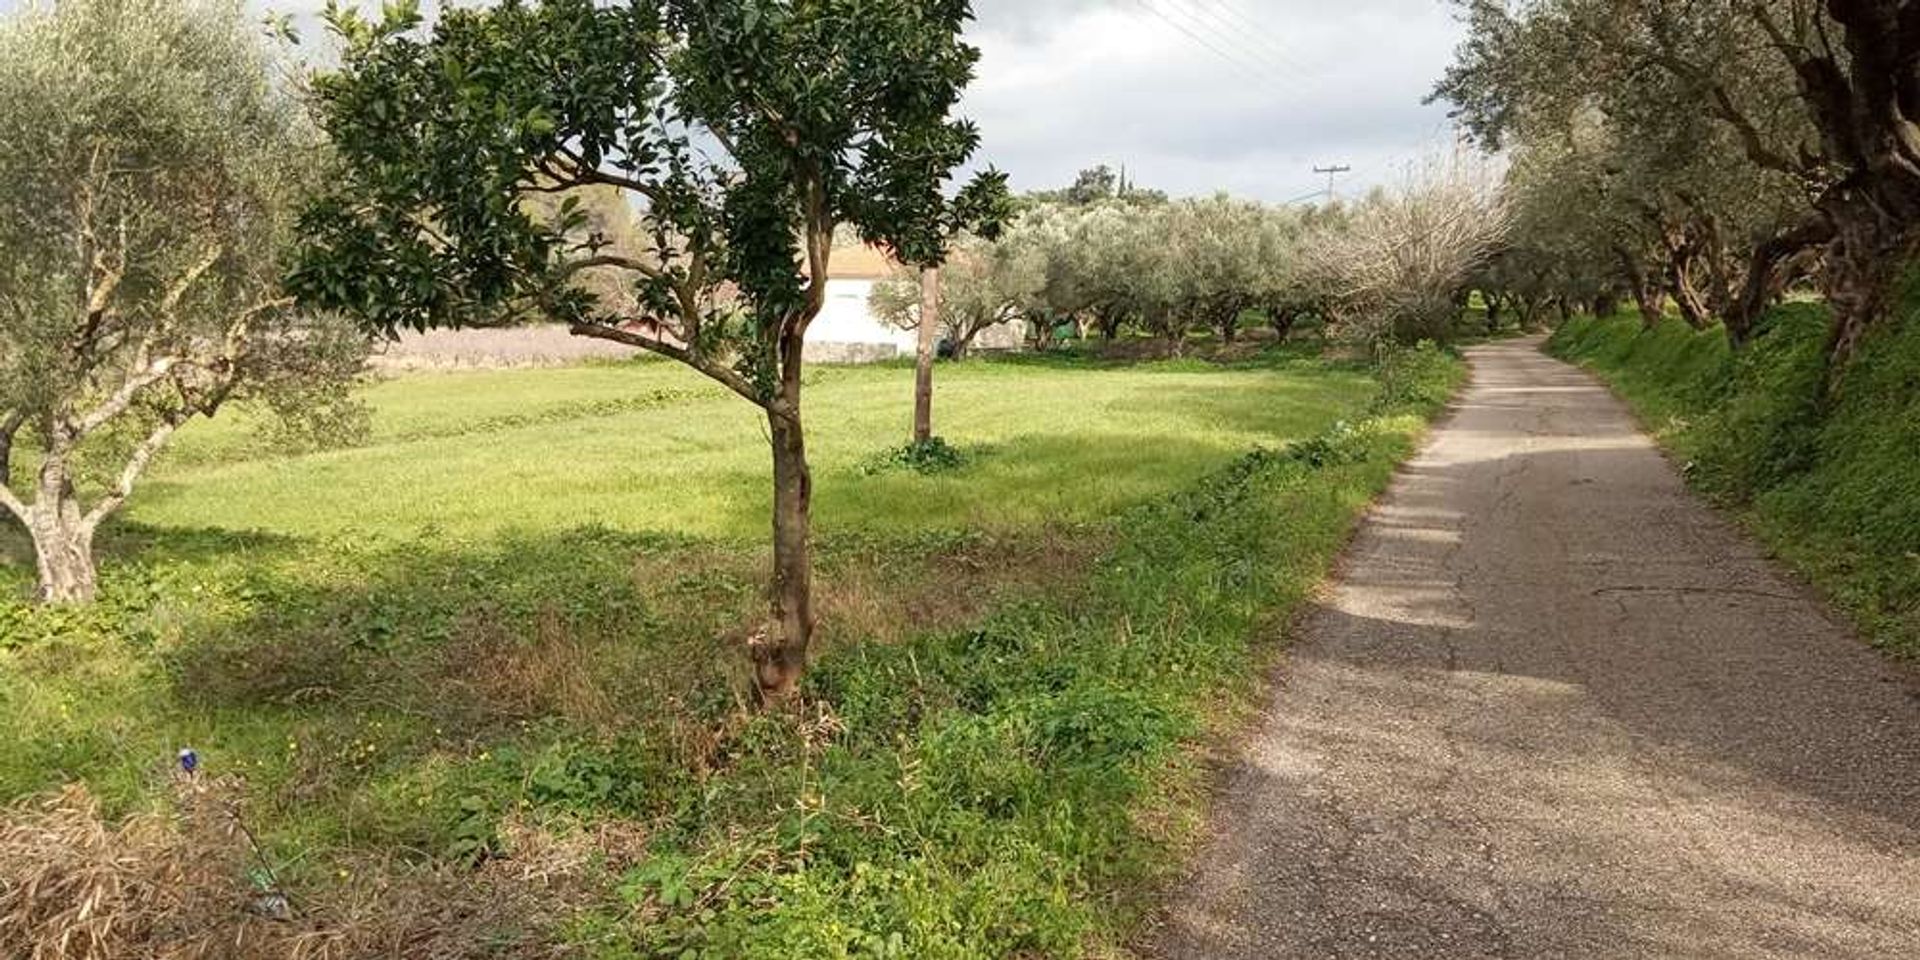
[1555,706]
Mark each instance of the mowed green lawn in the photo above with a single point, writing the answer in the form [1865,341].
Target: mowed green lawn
[653,447]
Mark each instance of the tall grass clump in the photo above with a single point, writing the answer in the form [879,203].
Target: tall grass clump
[1830,479]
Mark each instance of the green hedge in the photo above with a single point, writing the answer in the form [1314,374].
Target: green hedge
[1833,487]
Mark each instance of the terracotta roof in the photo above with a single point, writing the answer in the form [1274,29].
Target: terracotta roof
[859,263]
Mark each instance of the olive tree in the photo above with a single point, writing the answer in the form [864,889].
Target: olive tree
[742,133]
[1225,257]
[150,173]
[984,284]
[1820,94]
[1397,267]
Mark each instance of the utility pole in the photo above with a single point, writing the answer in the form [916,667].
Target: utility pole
[1332,172]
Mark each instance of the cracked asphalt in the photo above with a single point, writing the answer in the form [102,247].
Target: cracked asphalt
[1554,706]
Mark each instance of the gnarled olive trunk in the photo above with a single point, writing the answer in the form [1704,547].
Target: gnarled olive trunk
[1606,303]
[1871,245]
[1646,290]
[1687,295]
[62,538]
[1768,271]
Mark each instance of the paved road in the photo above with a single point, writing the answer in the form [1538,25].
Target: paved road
[1556,707]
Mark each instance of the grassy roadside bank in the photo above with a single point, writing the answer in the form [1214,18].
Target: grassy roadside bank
[1834,489]
[475,743]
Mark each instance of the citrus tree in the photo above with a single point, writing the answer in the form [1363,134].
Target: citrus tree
[742,133]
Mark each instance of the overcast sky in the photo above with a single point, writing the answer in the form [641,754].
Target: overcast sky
[1192,96]
[1195,96]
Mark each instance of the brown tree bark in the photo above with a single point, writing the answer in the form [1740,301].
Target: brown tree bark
[1606,303]
[1766,277]
[781,658]
[1282,321]
[1865,102]
[923,358]
[1647,292]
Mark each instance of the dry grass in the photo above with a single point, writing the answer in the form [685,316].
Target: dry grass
[950,588]
[175,885]
[552,673]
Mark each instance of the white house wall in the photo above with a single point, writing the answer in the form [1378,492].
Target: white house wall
[847,320]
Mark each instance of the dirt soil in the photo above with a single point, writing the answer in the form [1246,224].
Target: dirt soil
[1557,707]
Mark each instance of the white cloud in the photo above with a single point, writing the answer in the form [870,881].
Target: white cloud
[1193,96]
[1202,95]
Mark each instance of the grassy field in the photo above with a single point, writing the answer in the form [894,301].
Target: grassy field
[1833,486]
[476,685]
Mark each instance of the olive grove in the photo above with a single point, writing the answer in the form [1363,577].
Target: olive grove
[1726,150]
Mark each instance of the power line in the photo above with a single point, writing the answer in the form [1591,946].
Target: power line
[1255,29]
[1237,63]
[1220,27]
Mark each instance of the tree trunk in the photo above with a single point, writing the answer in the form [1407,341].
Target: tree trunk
[923,358]
[62,538]
[781,660]
[1042,333]
[1282,321]
[1230,327]
[1767,275]
[1686,292]
[1647,293]
[1693,309]
[1870,247]
[1606,303]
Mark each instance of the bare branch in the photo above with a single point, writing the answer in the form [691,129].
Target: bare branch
[136,465]
[585,173]
[726,376]
[123,398]
[637,265]
[170,300]
[10,423]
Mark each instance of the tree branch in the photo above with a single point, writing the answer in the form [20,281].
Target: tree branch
[123,398]
[725,376]
[568,269]
[13,504]
[176,291]
[10,423]
[136,465]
